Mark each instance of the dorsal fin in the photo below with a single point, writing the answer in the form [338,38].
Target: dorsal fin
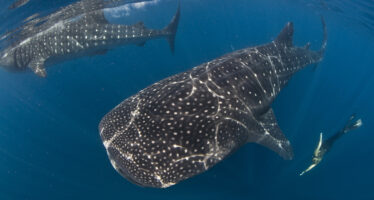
[93,11]
[96,16]
[286,35]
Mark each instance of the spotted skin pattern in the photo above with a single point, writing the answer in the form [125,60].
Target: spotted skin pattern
[85,35]
[185,124]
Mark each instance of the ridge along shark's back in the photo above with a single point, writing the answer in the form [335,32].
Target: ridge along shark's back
[185,124]
[84,35]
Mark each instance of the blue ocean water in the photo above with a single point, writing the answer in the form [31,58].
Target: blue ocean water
[50,147]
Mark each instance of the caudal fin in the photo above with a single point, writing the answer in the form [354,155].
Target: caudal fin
[324,42]
[171,29]
[320,53]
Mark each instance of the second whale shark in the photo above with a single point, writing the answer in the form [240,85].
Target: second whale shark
[83,35]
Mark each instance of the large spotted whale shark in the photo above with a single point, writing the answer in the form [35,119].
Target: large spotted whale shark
[80,29]
[185,124]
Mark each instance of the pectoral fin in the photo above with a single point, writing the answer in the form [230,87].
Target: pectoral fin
[271,136]
[37,66]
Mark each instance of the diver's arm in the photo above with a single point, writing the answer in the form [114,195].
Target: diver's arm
[318,149]
[317,157]
[308,169]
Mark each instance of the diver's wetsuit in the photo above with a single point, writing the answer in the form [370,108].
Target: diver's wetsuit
[325,146]
[350,125]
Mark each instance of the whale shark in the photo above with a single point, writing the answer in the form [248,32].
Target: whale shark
[78,34]
[185,124]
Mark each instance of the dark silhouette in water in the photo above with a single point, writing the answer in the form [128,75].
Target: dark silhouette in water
[18,4]
[185,124]
[325,146]
[84,35]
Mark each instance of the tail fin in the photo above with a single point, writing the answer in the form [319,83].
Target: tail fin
[324,43]
[171,29]
[321,51]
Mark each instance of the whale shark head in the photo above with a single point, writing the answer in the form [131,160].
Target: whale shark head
[7,61]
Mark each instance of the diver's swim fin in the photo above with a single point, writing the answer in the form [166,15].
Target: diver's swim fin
[352,125]
[357,124]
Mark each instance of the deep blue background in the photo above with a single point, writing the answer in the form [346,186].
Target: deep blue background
[50,146]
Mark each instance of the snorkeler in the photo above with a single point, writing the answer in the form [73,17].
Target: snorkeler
[325,146]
